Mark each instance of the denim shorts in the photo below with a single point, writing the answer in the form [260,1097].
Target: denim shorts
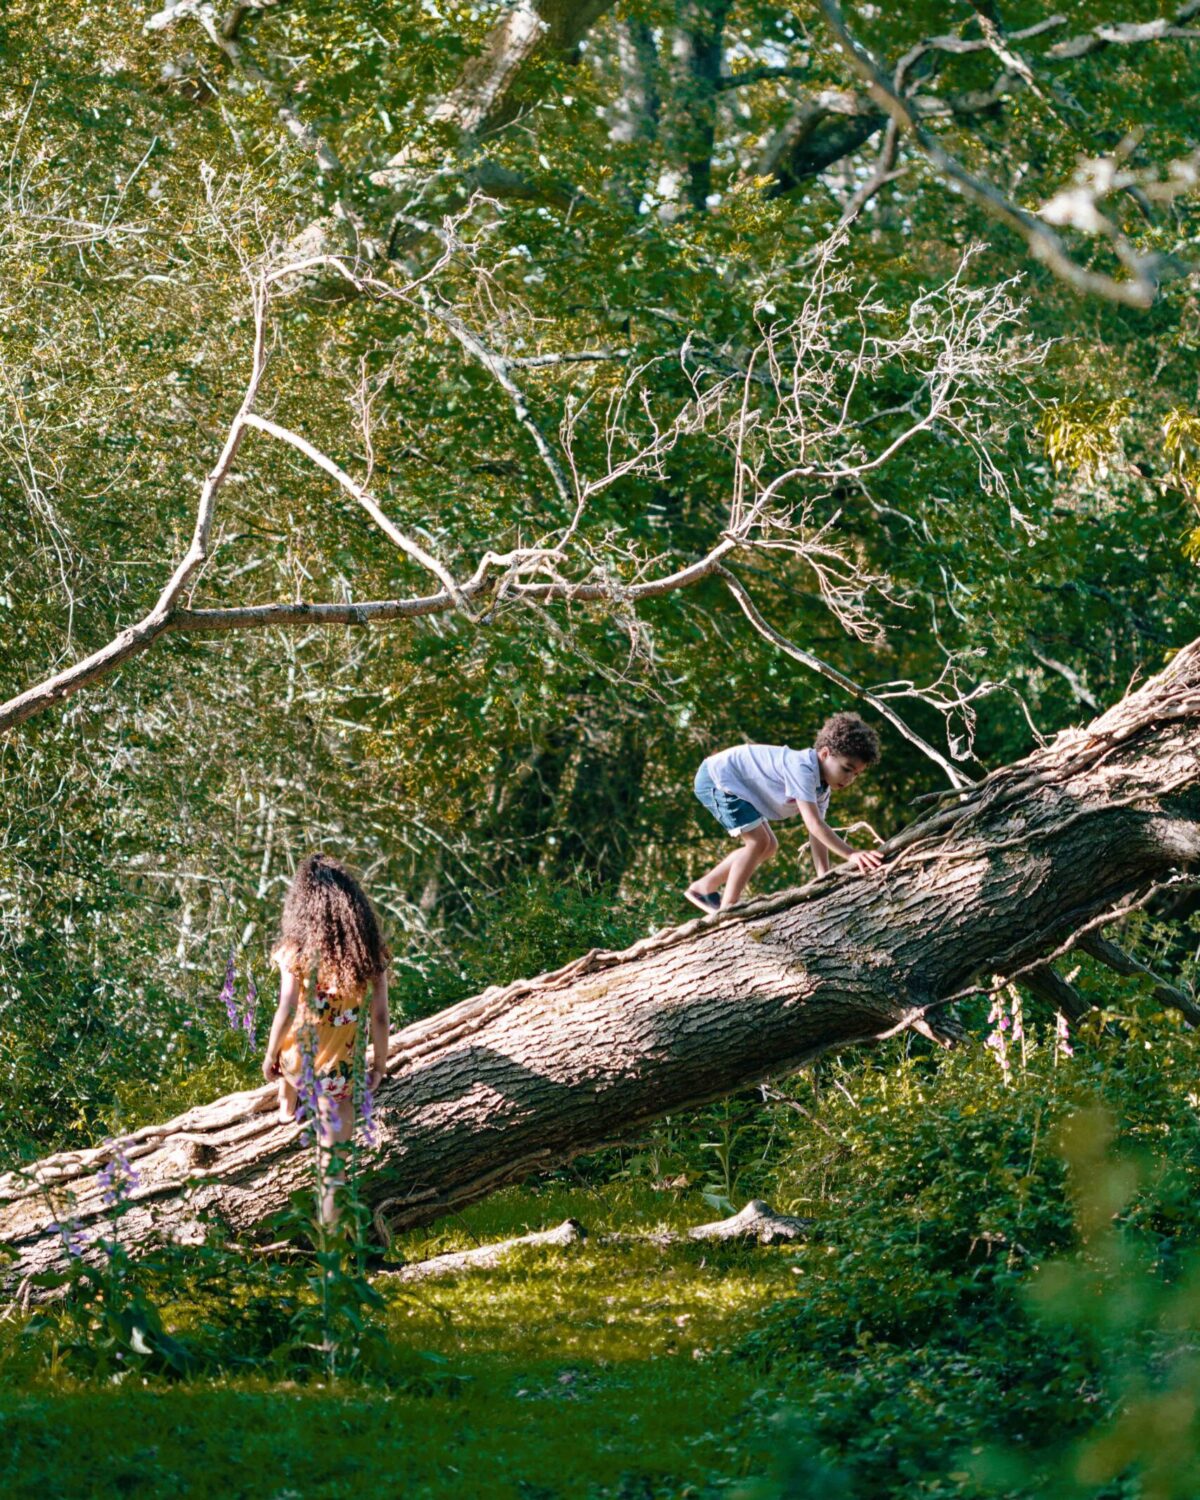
[734,813]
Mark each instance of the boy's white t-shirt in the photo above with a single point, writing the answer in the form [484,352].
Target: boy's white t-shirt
[774,778]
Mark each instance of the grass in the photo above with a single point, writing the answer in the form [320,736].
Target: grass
[1000,1270]
[585,1371]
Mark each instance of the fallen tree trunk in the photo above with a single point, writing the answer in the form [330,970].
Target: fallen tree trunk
[995,881]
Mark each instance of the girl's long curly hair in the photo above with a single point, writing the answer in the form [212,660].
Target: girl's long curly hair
[328,921]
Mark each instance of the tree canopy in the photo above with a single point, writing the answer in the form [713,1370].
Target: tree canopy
[578,286]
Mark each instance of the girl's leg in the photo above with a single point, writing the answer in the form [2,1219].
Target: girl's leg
[287,1102]
[757,845]
[336,1127]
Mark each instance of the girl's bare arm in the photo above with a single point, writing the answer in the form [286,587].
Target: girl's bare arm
[380,1029]
[289,991]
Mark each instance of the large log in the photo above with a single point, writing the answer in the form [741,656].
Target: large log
[519,1078]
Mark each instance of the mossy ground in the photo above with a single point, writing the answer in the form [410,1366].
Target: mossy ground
[999,1267]
[588,1370]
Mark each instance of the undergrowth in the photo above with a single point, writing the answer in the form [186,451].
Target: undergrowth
[997,1295]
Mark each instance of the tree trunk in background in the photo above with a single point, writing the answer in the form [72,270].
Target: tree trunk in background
[520,1078]
[601,822]
[523,810]
[493,86]
[689,115]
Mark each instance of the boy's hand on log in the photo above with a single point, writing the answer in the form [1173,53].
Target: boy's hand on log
[866,861]
[374,1078]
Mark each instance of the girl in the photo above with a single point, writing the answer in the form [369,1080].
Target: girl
[330,954]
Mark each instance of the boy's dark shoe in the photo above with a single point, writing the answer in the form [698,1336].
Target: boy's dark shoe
[706,901]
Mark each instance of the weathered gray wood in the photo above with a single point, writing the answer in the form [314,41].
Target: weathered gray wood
[519,1078]
[758,1221]
[483,1257]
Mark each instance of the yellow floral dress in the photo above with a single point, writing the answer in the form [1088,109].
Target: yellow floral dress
[325,1026]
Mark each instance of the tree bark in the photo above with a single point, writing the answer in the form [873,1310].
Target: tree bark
[690,109]
[488,93]
[516,1079]
[831,125]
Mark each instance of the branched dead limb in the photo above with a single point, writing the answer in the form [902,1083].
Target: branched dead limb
[139,636]
[1051,987]
[786,421]
[1170,995]
[500,369]
[1078,207]
[411,549]
[1128,33]
[955,700]
[1174,882]
[885,171]
[824,669]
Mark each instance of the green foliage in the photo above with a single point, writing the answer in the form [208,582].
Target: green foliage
[1181,434]
[533,926]
[971,1315]
[153,822]
[1081,437]
[998,1297]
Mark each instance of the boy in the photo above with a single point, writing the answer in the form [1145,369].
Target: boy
[746,787]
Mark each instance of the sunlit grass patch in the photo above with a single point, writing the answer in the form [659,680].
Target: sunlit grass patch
[633,1301]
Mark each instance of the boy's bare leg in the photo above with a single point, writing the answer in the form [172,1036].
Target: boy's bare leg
[757,845]
[709,884]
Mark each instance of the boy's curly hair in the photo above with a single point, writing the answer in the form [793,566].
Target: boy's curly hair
[328,921]
[847,735]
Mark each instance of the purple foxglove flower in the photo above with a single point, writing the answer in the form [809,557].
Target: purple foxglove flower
[73,1239]
[227,992]
[251,1010]
[369,1130]
[308,1088]
[117,1179]
[997,1042]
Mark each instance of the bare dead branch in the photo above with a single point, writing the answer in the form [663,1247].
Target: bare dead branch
[1127,34]
[500,369]
[1146,271]
[786,420]
[405,543]
[823,668]
[1171,996]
